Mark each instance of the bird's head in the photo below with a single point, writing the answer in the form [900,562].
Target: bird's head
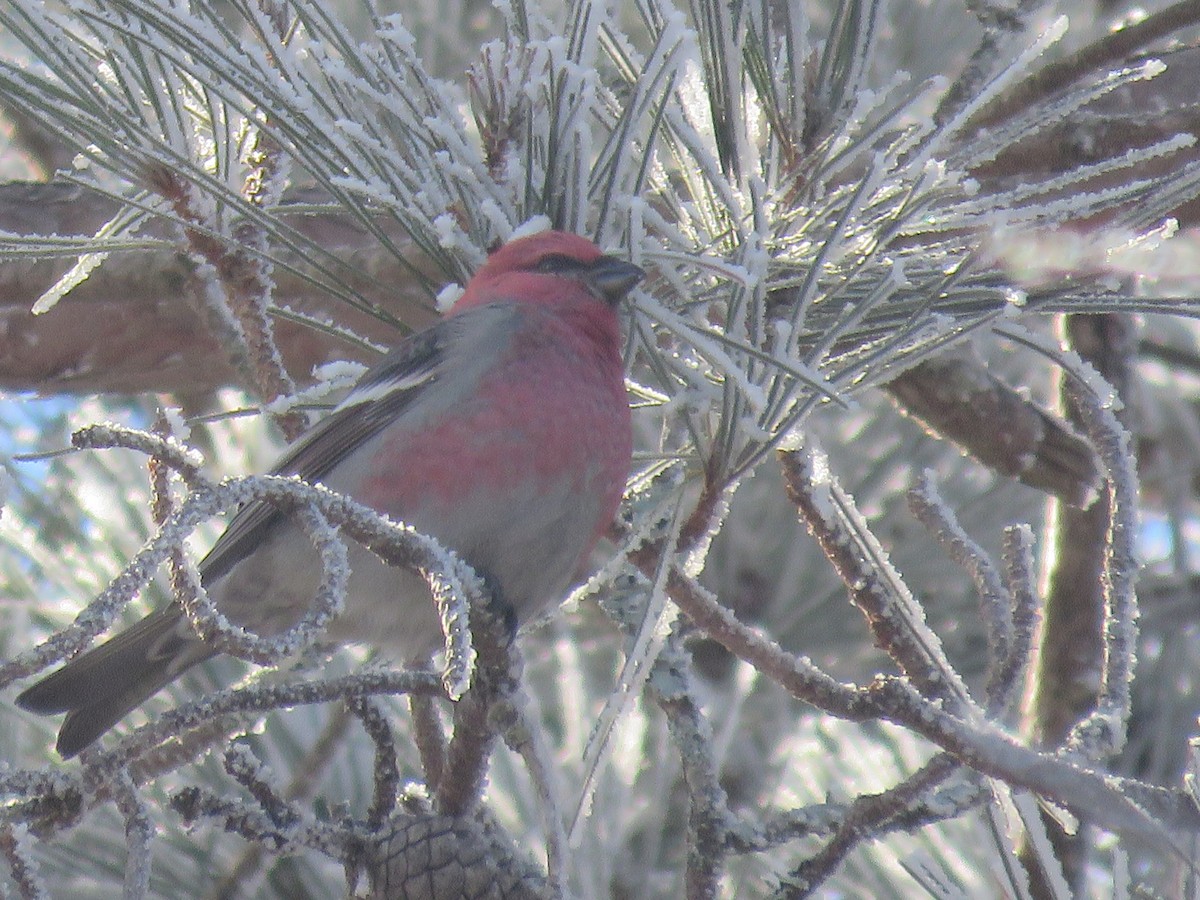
[540,266]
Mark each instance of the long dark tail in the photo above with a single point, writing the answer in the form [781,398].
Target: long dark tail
[97,689]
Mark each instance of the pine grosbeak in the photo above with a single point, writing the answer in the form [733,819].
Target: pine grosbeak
[503,431]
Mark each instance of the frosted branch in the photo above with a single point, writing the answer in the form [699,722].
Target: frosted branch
[102,765]
[497,673]
[866,818]
[387,773]
[875,587]
[1020,582]
[15,845]
[708,814]
[1104,732]
[995,604]
[139,834]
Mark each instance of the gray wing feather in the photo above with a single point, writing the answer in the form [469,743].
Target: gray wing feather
[380,395]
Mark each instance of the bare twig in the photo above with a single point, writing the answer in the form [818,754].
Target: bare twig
[957,398]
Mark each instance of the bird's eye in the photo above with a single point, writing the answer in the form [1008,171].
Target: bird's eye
[557,263]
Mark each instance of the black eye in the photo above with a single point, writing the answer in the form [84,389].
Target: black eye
[558,263]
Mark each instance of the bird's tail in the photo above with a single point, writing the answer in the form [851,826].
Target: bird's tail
[97,689]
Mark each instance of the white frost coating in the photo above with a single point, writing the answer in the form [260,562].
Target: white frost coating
[448,296]
[535,225]
[449,234]
[495,216]
[697,556]
[330,377]
[392,28]
[792,440]
[1079,368]
[819,465]
[782,331]
[1019,67]
[177,425]
[339,373]
[697,113]
[449,592]
[821,484]
[70,280]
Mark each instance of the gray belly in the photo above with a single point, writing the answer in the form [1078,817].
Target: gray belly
[526,548]
[386,607]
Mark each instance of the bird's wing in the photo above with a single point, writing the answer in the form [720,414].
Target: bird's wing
[382,393]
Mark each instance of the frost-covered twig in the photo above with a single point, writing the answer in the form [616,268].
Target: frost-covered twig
[386,779]
[525,735]
[101,765]
[498,667]
[865,819]
[428,736]
[256,825]
[235,291]
[161,501]
[139,833]
[53,801]
[1104,732]
[819,819]
[1121,804]
[995,604]
[249,280]
[396,544]
[303,785]
[165,448]
[708,814]
[245,768]
[1110,50]
[1020,578]
[876,588]
[451,582]
[22,867]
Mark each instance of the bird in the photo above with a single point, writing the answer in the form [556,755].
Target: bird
[503,431]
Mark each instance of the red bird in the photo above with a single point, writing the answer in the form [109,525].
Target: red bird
[503,431]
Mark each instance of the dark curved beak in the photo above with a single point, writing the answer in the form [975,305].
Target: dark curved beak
[611,278]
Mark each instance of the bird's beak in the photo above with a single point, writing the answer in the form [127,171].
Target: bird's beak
[611,278]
